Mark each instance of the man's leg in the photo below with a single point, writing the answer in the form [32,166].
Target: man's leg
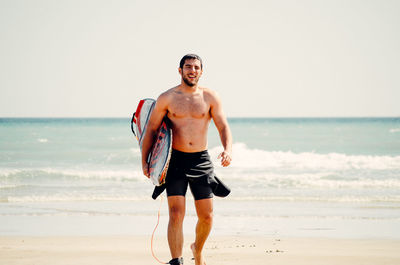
[204,209]
[176,205]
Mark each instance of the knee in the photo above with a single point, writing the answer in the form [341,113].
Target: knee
[206,218]
[176,215]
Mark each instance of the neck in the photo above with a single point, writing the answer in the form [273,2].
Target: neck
[187,88]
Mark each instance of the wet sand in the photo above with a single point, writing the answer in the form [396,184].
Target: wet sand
[219,250]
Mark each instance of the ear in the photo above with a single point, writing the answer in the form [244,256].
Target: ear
[180,70]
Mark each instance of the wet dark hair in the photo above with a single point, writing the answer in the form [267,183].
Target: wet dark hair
[189,57]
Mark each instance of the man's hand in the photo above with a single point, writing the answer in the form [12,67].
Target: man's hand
[225,158]
[145,168]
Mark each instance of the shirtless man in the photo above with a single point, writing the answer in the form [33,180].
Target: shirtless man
[190,109]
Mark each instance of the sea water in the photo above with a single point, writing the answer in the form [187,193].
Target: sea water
[326,177]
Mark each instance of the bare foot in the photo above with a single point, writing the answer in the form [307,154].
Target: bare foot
[198,258]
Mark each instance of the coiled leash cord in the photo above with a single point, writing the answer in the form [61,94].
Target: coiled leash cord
[152,235]
[176,261]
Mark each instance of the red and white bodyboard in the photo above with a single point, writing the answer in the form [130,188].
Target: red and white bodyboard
[160,152]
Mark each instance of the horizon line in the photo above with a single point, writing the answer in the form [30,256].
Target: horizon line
[229,117]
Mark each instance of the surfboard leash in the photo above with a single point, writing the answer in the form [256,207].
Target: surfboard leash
[152,235]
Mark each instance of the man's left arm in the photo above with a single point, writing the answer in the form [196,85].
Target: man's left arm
[225,134]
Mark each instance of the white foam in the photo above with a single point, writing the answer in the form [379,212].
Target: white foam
[319,180]
[272,198]
[246,158]
[126,174]
[332,199]
[6,172]
[42,140]
[269,169]
[8,186]
[396,130]
[135,151]
[98,174]
[76,198]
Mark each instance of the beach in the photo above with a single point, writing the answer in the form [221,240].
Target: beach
[308,89]
[98,238]
[221,250]
[304,191]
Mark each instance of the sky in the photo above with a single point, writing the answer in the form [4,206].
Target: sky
[95,58]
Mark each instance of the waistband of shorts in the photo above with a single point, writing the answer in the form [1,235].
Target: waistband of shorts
[178,153]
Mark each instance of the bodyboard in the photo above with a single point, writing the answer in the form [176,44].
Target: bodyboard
[160,152]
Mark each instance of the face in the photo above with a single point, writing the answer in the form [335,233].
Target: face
[191,72]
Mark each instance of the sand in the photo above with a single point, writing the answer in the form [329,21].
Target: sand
[220,250]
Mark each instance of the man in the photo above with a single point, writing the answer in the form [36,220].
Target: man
[190,109]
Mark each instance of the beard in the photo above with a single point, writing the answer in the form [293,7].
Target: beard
[190,82]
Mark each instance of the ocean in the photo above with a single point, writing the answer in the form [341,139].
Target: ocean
[306,177]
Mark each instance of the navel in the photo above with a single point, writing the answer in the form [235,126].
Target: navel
[190,143]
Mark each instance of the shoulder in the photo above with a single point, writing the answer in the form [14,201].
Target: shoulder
[211,95]
[167,94]
[166,97]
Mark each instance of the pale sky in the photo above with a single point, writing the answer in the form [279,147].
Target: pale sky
[264,58]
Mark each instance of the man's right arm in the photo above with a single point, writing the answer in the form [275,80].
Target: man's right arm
[156,117]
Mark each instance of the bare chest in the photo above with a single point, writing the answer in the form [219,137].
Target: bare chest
[189,107]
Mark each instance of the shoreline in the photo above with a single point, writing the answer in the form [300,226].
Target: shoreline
[231,218]
[139,219]
[221,250]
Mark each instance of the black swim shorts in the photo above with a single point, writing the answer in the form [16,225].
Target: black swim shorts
[193,169]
